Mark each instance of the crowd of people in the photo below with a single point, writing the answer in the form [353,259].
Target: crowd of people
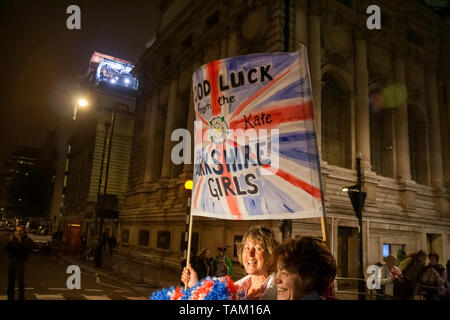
[413,277]
[305,269]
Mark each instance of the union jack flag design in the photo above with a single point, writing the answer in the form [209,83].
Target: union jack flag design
[273,173]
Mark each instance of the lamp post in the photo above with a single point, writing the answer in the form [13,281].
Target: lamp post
[358,197]
[103,202]
[107,124]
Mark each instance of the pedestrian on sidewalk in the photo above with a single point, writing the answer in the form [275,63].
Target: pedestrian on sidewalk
[18,248]
[112,244]
[83,243]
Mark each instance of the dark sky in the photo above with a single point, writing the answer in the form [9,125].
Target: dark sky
[40,58]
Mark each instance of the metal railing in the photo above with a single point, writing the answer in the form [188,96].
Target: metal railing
[372,294]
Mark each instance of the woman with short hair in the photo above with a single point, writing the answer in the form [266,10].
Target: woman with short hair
[305,269]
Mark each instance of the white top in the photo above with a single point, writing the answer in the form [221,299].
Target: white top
[387,279]
[269,288]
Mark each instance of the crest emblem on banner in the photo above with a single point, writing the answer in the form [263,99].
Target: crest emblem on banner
[218,129]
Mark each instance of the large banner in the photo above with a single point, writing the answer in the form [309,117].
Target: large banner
[255,142]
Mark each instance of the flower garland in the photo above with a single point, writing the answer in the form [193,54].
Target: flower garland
[210,288]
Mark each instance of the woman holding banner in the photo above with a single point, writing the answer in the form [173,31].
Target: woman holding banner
[256,255]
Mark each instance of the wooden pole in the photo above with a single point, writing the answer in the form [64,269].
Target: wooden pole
[188,258]
[324,230]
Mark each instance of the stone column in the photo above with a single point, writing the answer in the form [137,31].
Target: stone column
[301,24]
[401,124]
[187,168]
[390,151]
[152,123]
[362,101]
[315,67]
[423,154]
[231,43]
[437,172]
[445,126]
[171,111]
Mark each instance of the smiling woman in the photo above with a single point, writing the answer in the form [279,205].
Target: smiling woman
[256,255]
[305,269]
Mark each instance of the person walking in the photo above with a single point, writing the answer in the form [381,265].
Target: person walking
[18,248]
[112,244]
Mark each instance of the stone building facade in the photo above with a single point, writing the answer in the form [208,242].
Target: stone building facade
[383,93]
[87,149]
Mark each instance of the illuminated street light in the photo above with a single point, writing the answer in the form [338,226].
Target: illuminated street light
[188,185]
[80,103]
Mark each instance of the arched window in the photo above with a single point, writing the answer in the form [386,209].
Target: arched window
[335,127]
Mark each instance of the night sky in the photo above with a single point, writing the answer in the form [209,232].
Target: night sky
[41,58]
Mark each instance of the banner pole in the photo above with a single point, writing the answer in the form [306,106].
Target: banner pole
[324,231]
[324,215]
[188,258]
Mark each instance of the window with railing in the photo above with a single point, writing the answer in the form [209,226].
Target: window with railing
[144,236]
[163,240]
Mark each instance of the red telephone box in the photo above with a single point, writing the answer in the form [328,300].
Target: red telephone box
[73,235]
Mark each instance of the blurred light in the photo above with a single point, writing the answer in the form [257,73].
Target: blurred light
[359,155]
[82,103]
[113,81]
[127,80]
[188,185]
[394,95]
[344,189]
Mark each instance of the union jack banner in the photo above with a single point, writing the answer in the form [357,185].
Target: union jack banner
[255,154]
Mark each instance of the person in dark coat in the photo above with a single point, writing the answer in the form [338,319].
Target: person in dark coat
[18,248]
[202,264]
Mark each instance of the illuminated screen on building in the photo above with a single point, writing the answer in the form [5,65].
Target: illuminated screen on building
[386,250]
[116,73]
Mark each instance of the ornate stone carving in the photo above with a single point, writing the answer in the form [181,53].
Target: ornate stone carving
[254,25]
[335,58]
[414,95]
[340,18]
[376,80]
[316,8]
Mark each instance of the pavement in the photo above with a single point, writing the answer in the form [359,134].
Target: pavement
[46,278]
[146,277]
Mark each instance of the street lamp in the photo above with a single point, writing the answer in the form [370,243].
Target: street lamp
[103,202]
[358,197]
[82,103]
